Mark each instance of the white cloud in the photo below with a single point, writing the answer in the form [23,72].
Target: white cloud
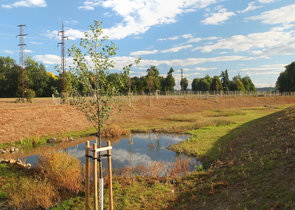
[11,52]
[170,50]
[266,1]
[89,5]
[72,34]
[251,6]
[26,3]
[121,61]
[184,36]
[71,22]
[283,15]
[194,40]
[28,51]
[176,49]
[199,69]
[137,53]
[267,68]
[218,18]
[140,15]
[276,37]
[48,59]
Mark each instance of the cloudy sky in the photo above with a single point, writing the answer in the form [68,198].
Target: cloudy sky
[202,37]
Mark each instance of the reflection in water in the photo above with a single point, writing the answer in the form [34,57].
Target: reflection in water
[137,149]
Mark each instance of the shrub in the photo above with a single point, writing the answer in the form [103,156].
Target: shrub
[114,131]
[29,95]
[61,170]
[30,193]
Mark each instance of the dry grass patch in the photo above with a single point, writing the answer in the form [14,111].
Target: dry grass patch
[61,170]
[32,193]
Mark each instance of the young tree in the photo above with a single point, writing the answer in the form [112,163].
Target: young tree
[92,63]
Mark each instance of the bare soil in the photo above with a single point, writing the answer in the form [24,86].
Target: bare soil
[45,116]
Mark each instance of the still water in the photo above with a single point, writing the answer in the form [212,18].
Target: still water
[134,150]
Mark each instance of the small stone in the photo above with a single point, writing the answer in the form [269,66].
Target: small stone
[52,140]
[16,149]
[28,165]
[12,149]
[2,151]
[12,161]
[71,139]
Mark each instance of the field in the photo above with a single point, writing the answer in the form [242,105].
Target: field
[46,117]
[246,145]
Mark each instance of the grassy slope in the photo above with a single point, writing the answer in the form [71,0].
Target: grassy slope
[254,168]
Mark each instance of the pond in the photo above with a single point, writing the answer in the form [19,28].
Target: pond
[134,150]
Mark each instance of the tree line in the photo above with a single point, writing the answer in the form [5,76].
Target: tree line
[223,83]
[44,83]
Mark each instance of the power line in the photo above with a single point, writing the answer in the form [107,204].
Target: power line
[63,57]
[22,56]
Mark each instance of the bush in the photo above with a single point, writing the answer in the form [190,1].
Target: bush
[62,171]
[31,193]
[114,131]
[29,95]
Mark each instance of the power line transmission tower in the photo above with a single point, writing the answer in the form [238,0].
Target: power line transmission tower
[22,56]
[63,58]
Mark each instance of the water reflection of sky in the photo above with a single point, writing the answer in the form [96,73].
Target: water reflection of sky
[137,149]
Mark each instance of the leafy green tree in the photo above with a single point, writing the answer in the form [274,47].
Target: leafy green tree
[207,81]
[38,78]
[183,84]
[9,77]
[153,80]
[196,84]
[286,80]
[169,81]
[216,84]
[138,84]
[237,84]
[248,84]
[115,79]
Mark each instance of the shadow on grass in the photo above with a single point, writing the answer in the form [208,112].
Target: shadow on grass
[251,167]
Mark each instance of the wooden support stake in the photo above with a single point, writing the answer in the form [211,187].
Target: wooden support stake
[87,176]
[95,201]
[110,177]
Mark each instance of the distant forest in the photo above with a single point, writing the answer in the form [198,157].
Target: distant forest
[44,83]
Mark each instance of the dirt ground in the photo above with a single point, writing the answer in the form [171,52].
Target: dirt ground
[47,116]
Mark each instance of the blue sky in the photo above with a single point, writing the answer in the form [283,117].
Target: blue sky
[255,38]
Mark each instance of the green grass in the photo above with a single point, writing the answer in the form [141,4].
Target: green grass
[251,166]
[29,143]
[135,193]
[203,139]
